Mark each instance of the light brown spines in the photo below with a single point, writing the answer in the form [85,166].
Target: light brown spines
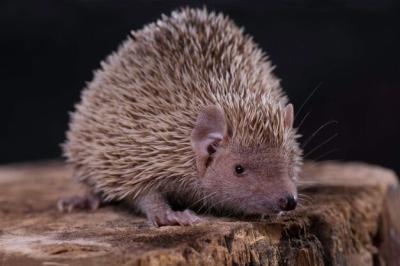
[131,131]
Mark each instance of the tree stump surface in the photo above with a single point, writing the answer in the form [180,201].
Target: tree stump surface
[349,215]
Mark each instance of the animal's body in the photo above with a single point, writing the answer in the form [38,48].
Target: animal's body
[187,107]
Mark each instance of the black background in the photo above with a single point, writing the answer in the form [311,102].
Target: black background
[348,49]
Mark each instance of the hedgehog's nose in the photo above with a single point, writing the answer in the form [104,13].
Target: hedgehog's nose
[287,203]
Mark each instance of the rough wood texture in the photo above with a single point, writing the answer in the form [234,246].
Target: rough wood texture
[349,216]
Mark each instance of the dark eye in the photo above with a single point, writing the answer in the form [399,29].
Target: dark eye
[239,169]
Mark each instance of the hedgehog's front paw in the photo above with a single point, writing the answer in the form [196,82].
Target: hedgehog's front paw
[170,217]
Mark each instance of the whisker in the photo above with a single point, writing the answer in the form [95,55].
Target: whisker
[326,154]
[218,206]
[301,205]
[305,196]
[202,199]
[304,207]
[301,195]
[307,200]
[322,144]
[302,120]
[307,141]
[307,99]
[219,203]
[207,205]
[205,202]
[304,201]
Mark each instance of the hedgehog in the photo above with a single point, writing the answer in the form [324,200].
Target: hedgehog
[188,110]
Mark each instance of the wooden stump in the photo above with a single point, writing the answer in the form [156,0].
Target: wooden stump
[349,215]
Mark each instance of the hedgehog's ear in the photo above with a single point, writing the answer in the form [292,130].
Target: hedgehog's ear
[209,131]
[288,115]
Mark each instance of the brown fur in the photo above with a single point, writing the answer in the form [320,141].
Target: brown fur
[131,134]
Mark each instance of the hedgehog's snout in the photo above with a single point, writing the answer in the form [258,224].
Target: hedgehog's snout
[287,202]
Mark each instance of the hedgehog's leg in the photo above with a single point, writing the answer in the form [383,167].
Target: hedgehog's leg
[159,213]
[89,201]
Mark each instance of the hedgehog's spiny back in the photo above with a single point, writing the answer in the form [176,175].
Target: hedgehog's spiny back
[131,132]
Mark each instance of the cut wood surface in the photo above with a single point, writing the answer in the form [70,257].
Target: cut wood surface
[348,215]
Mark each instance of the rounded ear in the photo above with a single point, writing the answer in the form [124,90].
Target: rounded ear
[209,131]
[288,115]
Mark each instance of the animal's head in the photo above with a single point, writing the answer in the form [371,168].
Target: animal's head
[256,177]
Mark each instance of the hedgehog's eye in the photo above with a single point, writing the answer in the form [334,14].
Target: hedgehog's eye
[239,169]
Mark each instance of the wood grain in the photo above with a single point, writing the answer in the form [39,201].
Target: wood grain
[349,215]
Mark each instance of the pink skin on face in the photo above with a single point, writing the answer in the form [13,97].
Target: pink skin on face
[250,180]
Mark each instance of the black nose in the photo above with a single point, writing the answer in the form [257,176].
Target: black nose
[288,203]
